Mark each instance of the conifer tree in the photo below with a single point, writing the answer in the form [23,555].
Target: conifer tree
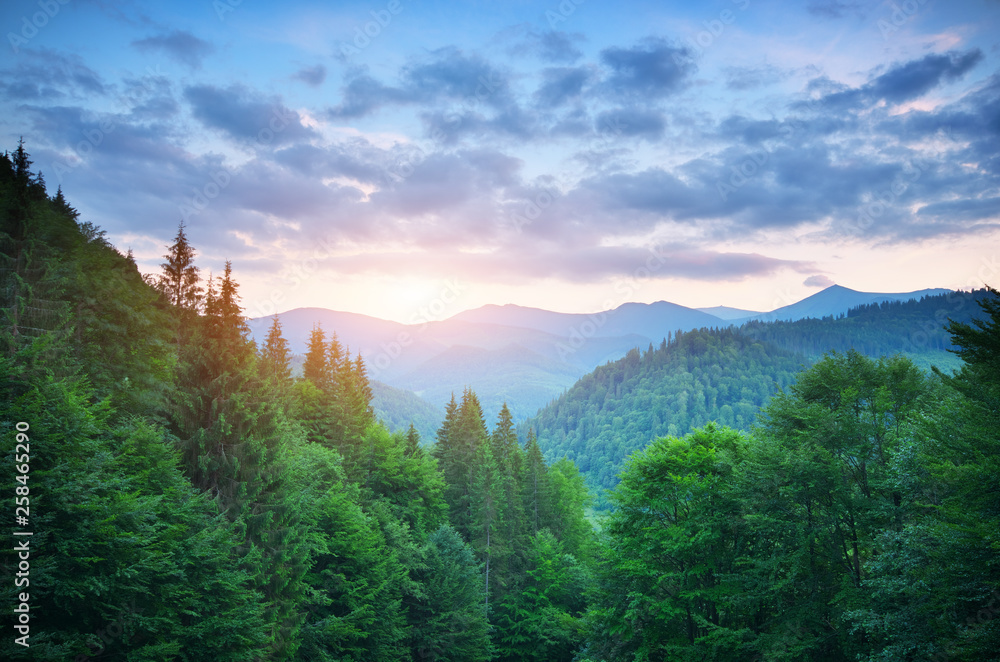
[535,485]
[314,369]
[179,280]
[236,445]
[487,512]
[413,442]
[63,207]
[449,621]
[456,455]
[275,355]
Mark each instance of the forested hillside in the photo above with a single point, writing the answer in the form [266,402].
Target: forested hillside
[188,499]
[689,380]
[726,375]
[181,496]
[914,328]
[858,522]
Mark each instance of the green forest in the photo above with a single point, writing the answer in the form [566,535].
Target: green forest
[191,500]
[725,376]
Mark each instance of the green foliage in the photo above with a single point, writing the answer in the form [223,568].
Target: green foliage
[397,409]
[699,377]
[833,533]
[190,501]
[128,561]
[448,617]
[673,544]
[912,328]
[353,597]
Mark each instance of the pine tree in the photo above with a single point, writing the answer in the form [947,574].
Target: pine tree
[236,444]
[179,280]
[315,369]
[456,455]
[487,512]
[413,442]
[449,621]
[226,323]
[22,182]
[275,355]
[63,207]
[535,485]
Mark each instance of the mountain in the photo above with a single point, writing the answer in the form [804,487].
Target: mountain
[557,324]
[654,320]
[397,408]
[699,376]
[835,300]
[726,375]
[727,313]
[525,367]
[651,321]
[524,379]
[528,356]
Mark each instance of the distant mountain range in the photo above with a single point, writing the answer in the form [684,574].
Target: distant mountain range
[525,356]
[725,376]
[834,300]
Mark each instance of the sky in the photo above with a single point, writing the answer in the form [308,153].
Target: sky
[410,157]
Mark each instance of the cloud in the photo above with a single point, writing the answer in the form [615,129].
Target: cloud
[833,8]
[903,82]
[46,75]
[561,84]
[549,45]
[818,280]
[653,70]
[313,76]
[632,122]
[590,265]
[364,95]
[748,78]
[448,74]
[245,115]
[179,45]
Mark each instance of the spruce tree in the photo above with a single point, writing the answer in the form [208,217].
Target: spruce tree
[275,355]
[236,445]
[535,485]
[179,280]
[314,369]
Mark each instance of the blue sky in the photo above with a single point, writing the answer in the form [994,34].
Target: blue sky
[369,156]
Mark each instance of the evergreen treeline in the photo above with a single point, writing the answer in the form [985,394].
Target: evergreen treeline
[858,521]
[191,500]
[726,375]
[691,379]
[915,328]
